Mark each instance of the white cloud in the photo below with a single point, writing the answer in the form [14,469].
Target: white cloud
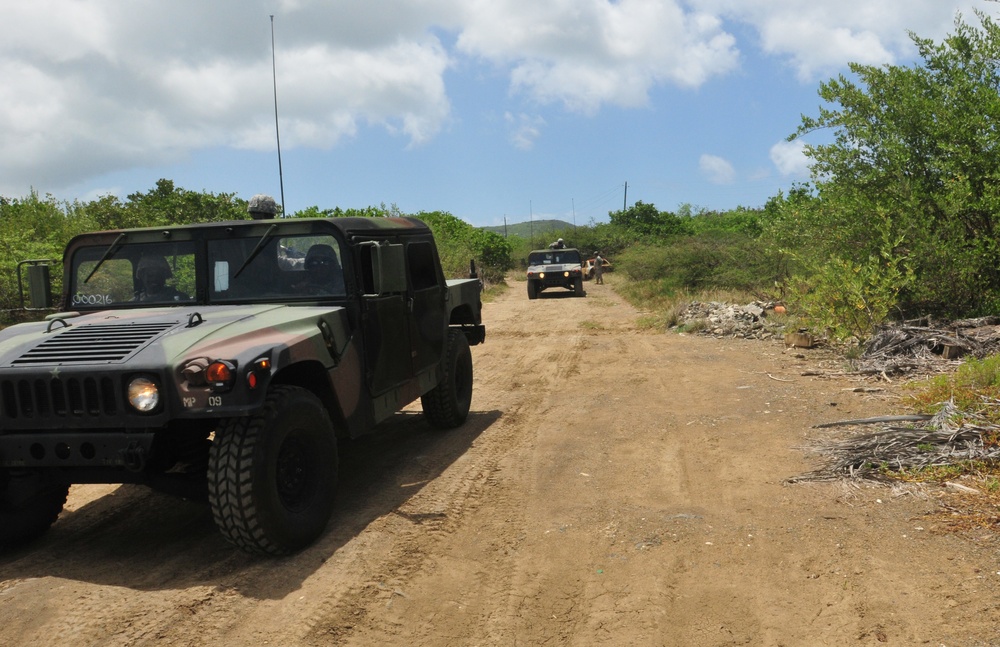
[789,158]
[717,169]
[821,36]
[587,53]
[524,130]
[91,86]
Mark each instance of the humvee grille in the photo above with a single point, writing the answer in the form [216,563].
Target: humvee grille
[93,344]
[44,398]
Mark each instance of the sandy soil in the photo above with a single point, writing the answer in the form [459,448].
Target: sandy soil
[612,487]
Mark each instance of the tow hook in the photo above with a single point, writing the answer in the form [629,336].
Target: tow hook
[134,457]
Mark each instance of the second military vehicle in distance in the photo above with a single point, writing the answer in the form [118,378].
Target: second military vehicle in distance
[555,268]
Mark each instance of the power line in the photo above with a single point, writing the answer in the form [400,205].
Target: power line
[602,198]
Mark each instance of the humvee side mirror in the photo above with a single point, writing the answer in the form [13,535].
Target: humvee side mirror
[39,284]
[388,269]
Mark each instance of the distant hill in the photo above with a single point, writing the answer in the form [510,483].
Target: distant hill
[538,228]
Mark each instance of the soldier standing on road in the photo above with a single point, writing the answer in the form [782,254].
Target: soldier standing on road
[598,269]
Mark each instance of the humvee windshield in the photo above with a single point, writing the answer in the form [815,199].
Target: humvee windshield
[554,257]
[285,268]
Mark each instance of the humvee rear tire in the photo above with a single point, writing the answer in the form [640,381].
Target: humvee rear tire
[532,290]
[29,505]
[447,405]
[272,476]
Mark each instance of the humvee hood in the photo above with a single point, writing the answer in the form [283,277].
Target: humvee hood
[169,334]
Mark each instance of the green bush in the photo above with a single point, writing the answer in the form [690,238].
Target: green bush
[459,242]
[714,259]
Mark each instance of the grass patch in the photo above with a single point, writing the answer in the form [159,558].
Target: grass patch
[590,325]
[974,388]
[492,291]
[942,473]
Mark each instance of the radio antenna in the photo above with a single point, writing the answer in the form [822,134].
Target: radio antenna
[277,134]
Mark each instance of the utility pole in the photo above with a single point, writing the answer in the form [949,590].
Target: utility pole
[625,201]
[531,227]
[277,135]
[573,202]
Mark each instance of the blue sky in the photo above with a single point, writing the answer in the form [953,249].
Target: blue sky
[488,109]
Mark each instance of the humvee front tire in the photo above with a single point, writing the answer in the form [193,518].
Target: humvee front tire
[532,290]
[578,286]
[272,475]
[447,405]
[29,505]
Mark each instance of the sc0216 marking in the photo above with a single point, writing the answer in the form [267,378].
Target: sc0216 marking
[92,299]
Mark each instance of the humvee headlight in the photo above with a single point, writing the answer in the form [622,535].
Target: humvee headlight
[566,275]
[143,394]
[541,275]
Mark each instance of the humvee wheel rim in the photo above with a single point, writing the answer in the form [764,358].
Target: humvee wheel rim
[296,473]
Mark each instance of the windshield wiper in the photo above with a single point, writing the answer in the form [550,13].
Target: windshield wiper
[256,250]
[107,254]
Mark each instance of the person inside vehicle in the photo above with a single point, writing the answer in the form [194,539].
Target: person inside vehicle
[323,272]
[559,244]
[151,275]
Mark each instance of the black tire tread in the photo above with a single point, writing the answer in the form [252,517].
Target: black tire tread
[441,405]
[22,524]
[230,478]
[233,508]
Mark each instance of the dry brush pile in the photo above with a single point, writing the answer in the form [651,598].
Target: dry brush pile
[893,450]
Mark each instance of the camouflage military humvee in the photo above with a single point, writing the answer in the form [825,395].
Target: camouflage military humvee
[223,361]
[561,268]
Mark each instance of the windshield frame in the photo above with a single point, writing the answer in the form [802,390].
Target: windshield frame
[195,241]
[554,257]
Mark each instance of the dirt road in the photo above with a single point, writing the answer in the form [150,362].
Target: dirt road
[612,487]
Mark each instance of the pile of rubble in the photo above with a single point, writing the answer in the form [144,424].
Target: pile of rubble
[751,321]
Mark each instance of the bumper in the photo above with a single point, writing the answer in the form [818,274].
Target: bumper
[91,449]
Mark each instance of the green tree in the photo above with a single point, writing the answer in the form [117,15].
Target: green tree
[742,220]
[381,211]
[30,228]
[918,150]
[458,242]
[170,205]
[643,221]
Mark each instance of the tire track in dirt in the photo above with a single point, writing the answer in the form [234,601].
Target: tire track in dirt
[450,505]
[546,602]
[477,496]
